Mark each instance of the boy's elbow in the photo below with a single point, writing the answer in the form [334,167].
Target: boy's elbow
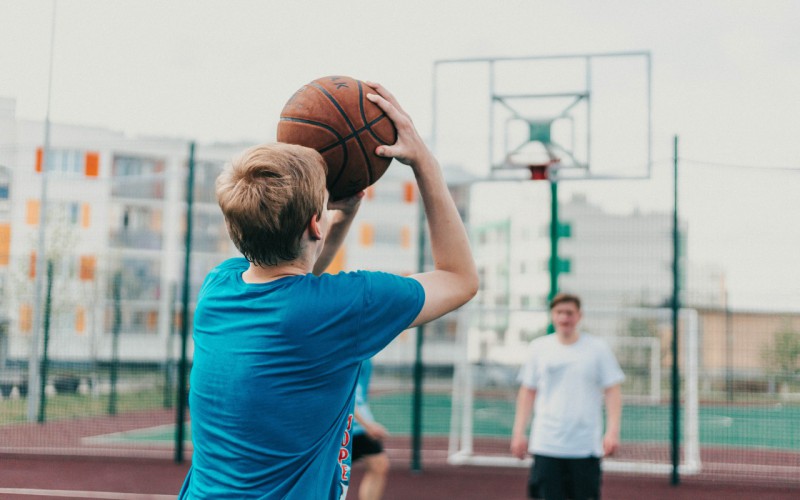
[471,284]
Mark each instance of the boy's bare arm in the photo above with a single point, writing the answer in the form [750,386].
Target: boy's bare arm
[454,280]
[372,428]
[613,401]
[343,212]
[519,437]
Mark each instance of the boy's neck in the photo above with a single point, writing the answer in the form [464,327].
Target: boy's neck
[568,338]
[265,274]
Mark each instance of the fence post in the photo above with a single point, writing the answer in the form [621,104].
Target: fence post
[183,365]
[416,412]
[48,303]
[114,364]
[676,380]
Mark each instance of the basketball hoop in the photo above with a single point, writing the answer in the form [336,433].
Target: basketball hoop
[538,172]
[539,163]
[541,171]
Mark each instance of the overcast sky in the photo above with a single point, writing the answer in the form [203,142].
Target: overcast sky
[726,73]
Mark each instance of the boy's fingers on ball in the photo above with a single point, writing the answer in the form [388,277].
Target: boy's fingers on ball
[390,109]
[380,89]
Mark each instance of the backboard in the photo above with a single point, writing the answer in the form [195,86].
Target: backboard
[581,116]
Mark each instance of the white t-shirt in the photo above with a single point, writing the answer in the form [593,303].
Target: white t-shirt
[569,381]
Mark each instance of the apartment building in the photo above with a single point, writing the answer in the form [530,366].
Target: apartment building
[116,212]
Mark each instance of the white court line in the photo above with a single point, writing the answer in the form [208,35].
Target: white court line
[105,495]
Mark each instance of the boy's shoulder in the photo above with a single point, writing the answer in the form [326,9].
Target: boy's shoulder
[540,345]
[593,340]
[360,275]
[234,263]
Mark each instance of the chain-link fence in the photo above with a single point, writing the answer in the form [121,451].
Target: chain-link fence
[107,354]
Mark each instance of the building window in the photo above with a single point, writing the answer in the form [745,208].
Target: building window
[136,226]
[205,175]
[73,211]
[135,166]
[64,161]
[138,177]
[64,321]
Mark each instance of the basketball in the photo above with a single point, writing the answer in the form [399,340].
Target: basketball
[333,115]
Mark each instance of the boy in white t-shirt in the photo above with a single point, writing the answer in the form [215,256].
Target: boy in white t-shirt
[568,376]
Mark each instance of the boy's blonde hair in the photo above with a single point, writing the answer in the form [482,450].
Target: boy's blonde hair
[268,196]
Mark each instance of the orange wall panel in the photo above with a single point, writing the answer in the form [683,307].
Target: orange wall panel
[367,234]
[32,212]
[152,320]
[88,264]
[405,237]
[80,321]
[92,164]
[32,269]
[409,192]
[338,262]
[25,318]
[5,243]
[39,158]
[86,215]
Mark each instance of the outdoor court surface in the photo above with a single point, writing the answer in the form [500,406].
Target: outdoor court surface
[85,469]
[34,477]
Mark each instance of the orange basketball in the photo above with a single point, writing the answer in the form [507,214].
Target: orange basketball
[333,115]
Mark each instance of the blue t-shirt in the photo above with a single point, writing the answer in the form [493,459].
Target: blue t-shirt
[274,375]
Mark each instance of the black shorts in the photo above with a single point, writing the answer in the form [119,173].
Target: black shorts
[363,446]
[554,478]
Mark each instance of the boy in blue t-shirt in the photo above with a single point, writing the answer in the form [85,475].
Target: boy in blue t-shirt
[278,344]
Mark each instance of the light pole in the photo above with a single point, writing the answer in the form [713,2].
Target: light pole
[33,358]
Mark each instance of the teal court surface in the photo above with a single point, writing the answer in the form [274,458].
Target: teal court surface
[747,426]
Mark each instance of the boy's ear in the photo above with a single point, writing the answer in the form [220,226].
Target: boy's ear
[314,227]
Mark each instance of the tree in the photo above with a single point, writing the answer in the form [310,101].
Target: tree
[782,356]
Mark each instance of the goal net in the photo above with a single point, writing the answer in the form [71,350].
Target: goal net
[491,346]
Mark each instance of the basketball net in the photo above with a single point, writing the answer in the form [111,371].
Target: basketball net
[540,169]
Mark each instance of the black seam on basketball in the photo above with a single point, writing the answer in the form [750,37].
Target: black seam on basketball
[341,139]
[316,124]
[347,120]
[335,103]
[364,121]
[373,134]
[341,142]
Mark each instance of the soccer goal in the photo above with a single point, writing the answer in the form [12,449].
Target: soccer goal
[490,348]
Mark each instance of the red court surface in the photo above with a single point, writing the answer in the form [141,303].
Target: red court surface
[63,459]
[26,477]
